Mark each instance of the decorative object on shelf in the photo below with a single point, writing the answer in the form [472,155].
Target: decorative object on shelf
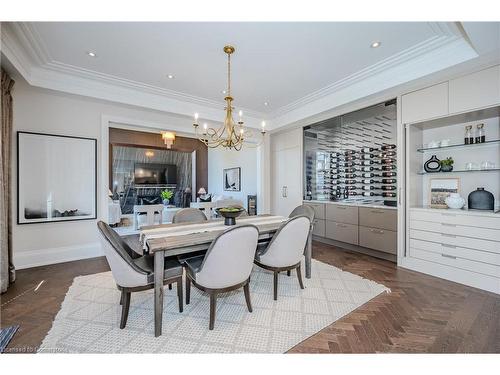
[471,166]
[433,144]
[168,138]
[455,201]
[57,178]
[440,189]
[481,199]
[480,134]
[432,165]
[201,193]
[232,179]
[447,164]
[166,195]
[468,138]
[444,143]
[485,165]
[230,135]
[230,214]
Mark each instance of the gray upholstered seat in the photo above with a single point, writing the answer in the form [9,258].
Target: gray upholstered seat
[226,266]
[133,272]
[189,215]
[285,251]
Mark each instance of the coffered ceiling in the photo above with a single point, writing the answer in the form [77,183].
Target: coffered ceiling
[289,66]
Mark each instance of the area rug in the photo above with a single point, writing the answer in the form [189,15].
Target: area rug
[6,334]
[88,321]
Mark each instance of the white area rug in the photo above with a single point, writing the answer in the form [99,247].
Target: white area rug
[88,321]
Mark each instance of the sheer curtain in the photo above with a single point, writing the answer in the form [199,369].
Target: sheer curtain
[7,270]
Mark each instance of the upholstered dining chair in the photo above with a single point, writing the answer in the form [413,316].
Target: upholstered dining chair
[189,215]
[133,272]
[303,209]
[226,266]
[286,249]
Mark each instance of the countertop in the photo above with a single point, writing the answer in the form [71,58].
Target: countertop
[354,202]
[462,211]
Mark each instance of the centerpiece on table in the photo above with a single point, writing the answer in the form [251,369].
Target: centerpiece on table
[230,214]
[166,195]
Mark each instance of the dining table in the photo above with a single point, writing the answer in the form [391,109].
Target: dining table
[168,240]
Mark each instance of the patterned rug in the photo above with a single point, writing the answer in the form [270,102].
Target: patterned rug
[88,321]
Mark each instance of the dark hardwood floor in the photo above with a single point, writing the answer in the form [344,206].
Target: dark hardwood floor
[421,314]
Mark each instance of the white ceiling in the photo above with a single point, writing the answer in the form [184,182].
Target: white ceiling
[285,64]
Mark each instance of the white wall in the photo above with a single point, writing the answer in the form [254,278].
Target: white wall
[246,159]
[46,111]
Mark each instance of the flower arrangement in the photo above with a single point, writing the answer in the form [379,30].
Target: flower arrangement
[166,195]
[447,164]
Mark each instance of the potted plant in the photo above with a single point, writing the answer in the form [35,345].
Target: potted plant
[447,164]
[166,195]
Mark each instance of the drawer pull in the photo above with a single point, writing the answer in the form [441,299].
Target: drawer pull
[376,212]
[341,225]
[450,246]
[448,235]
[448,256]
[378,231]
[448,225]
[341,208]
[447,214]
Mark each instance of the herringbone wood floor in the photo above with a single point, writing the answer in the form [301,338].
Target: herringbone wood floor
[422,314]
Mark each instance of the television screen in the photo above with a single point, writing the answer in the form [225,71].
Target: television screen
[155,174]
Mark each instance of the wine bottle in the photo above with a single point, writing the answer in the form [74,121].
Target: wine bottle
[388,147]
[388,174]
[389,180]
[388,194]
[351,175]
[388,161]
[388,167]
[367,169]
[368,175]
[388,187]
[368,187]
[367,150]
[368,194]
[369,181]
[366,156]
[349,170]
[349,152]
[386,154]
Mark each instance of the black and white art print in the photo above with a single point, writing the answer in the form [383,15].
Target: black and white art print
[56,178]
[232,179]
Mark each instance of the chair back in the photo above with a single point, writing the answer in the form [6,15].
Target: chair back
[189,215]
[303,209]
[229,202]
[287,246]
[229,259]
[120,258]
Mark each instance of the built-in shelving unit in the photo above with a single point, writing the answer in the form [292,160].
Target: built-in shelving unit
[460,171]
[460,146]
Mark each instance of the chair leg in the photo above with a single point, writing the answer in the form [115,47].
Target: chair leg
[288,273]
[121,297]
[179,294]
[213,307]
[299,276]
[275,285]
[169,286]
[125,308]
[246,289]
[188,290]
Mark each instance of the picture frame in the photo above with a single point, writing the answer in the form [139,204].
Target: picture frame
[56,178]
[440,188]
[232,179]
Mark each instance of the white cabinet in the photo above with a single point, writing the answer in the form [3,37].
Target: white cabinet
[473,91]
[425,104]
[286,172]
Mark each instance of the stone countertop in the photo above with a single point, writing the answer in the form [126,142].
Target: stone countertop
[354,203]
[462,211]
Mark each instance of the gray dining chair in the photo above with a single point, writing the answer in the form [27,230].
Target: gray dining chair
[286,249]
[303,209]
[225,267]
[189,215]
[133,272]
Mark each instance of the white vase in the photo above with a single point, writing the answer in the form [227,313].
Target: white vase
[455,201]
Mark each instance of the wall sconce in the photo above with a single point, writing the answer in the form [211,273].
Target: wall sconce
[149,154]
[168,138]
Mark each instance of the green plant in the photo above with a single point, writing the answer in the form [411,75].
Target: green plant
[448,162]
[167,194]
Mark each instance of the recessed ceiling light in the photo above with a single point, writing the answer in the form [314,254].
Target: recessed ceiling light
[170,76]
[375,44]
[91,54]
[266,104]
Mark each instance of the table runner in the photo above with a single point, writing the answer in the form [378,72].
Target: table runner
[182,230]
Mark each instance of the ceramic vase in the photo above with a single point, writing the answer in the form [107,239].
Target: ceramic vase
[432,165]
[455,201]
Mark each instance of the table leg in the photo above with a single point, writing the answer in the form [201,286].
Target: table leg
[308,255]
[158,266]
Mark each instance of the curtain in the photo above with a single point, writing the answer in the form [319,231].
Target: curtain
[7,270]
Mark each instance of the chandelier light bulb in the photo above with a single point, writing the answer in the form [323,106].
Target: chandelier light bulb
[263,124]
[205,126]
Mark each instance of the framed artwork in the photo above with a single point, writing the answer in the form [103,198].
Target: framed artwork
[440,189]
[232,179]
[56,178]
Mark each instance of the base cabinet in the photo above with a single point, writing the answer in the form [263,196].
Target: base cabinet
[378,239]
[342,232]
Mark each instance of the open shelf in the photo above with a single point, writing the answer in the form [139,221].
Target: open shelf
[461,171]
[487,143]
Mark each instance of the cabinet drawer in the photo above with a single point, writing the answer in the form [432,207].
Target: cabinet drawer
[457,230]
[319,227]
[471,243]
[456,251]
[342,214]
[342,232]
[450,260]
[456,218]
[378,218]
[319,210]
[378,239]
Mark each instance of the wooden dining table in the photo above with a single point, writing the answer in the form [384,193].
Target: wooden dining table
[180,239]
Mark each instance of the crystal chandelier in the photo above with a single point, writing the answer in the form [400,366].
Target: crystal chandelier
[231,135]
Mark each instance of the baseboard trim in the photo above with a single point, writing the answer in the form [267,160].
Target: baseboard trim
[356,248]
[43,257]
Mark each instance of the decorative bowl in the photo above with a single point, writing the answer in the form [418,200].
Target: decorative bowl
[230,214]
